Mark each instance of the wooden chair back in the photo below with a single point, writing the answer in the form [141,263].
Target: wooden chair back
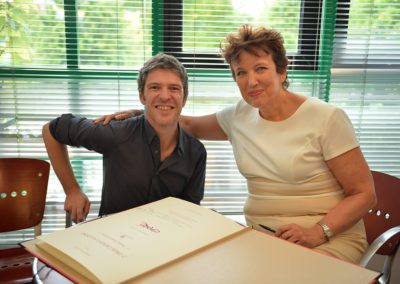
[386,214]
[382,224]
[23,189]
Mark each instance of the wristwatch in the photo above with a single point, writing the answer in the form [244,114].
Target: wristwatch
[327,231]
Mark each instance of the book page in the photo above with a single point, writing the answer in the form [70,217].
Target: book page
[56,256]
[127,244]
[257,258]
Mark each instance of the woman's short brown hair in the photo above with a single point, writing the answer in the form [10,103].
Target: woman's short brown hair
[249,38]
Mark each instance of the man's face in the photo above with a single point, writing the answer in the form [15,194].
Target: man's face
[163,97]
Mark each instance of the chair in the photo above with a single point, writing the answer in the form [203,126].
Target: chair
[23,188]
[382,223]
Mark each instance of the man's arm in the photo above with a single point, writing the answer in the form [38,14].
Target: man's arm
[76,202]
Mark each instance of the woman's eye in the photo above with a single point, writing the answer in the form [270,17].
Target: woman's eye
[239,73]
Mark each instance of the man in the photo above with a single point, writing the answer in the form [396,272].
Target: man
[145,158]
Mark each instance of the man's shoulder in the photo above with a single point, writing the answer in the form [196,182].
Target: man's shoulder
[190,140]
[120,131]
[130,123]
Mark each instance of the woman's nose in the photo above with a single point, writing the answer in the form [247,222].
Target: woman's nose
[252,79]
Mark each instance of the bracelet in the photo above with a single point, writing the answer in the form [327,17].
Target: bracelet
[327,231]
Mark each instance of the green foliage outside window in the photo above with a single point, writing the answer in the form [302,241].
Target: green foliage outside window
[22,40]
[207,22]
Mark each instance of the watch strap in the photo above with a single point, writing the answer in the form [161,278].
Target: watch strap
[327,231]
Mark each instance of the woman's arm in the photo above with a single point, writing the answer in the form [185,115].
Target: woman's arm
[202,127]
[121,115]
[353,174]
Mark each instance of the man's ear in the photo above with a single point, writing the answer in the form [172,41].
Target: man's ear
[184,102]
[141,97]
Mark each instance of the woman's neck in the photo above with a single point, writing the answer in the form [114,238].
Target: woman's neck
[283,107]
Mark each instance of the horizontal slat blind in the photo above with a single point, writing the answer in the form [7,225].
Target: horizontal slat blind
[65,56]
[366,78]
[192,30]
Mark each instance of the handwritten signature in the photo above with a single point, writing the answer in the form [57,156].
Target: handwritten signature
[148,227]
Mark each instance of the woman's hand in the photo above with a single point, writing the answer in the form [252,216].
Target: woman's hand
[308,237]
[121,115]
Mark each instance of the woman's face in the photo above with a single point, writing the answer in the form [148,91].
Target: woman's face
[257,79]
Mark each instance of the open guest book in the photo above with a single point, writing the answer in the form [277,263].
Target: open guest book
[175,241]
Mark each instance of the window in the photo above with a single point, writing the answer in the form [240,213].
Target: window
[83,56]
[365,77]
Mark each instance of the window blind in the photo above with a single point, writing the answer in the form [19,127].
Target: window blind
[83,56]
[366,77]
[77,57]
[192,30]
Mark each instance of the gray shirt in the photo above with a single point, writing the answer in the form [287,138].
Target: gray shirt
[133,174]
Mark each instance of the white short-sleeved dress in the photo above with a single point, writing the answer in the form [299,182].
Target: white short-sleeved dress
[284,164]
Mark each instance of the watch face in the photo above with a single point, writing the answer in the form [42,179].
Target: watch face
[328,233]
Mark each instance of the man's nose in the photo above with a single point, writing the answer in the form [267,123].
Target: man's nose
[164,94]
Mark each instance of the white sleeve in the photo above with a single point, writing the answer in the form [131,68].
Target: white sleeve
[338,135]
[225,118]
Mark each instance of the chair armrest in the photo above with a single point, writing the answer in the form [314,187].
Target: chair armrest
[377,243]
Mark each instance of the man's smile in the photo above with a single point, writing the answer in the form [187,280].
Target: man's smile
[164,107]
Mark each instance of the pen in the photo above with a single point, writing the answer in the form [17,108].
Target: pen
[267,228]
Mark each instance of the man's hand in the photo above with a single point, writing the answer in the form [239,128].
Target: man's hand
[77,205]
[121,115]
[308,237]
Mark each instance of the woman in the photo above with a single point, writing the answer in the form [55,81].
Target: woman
[307,178]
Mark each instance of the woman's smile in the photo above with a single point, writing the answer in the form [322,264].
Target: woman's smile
[255,93]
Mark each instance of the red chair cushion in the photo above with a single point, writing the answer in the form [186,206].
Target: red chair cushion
[15,266]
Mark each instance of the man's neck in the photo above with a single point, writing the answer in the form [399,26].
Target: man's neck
[168,140]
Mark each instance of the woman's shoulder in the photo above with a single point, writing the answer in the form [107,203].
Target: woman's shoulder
[235,109]
[243,107]
[319,106]
[317,113]
[327,113]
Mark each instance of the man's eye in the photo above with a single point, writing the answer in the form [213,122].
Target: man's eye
[261,68]
[240,73]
